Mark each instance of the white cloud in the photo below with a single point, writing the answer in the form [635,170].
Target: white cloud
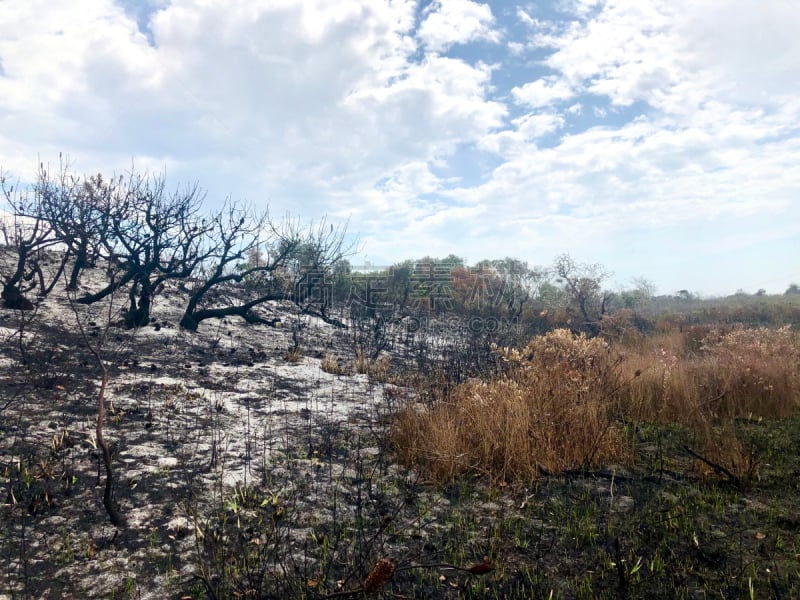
[294,98]
[525,18]
[449,22]
[516,48]
[675,54]
[64,67]
[749,49]
[354,109]
[627,52]
[408,182]
[575,109]
[542,92]
[527,129]
[533,125]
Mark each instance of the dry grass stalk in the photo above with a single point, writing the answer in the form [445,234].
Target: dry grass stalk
[377,369]
[360,364]
[551,409]
[330,364]
[293,356]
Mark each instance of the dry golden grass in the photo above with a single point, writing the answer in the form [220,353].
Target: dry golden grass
[551,411]
[720,376]
[293,356]
[562,399]
[758,371]
[708,379]
[377,369]
[361,363]
[330,364]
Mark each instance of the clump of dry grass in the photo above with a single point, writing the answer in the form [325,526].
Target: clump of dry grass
[758,371]
[620,328]
[330,364]
[550,411]
[722,375]
[361,362]
[553,408]
[725,451]
[377,369]
[293,356]
[662,387]
[709,378]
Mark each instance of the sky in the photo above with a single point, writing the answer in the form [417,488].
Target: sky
[660,138]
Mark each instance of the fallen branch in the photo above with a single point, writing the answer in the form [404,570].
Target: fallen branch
[718,468]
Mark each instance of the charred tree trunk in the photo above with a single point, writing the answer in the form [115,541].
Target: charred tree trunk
[192,319]
[108,493]
[14,299]
[81,262]
[139,313]
[108,290]
[12,294]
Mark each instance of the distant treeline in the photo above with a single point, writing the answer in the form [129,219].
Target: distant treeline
[234,259]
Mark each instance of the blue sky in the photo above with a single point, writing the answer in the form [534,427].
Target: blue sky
[660,138]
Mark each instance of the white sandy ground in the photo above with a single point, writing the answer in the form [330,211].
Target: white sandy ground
[191,416]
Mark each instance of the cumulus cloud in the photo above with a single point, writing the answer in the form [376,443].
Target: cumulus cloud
[542,92]
[291,97]
[449,22]
[699,136]
[593,121]
[750,51]
[523,136]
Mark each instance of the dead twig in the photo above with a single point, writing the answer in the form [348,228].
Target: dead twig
[718,468]
[114,515]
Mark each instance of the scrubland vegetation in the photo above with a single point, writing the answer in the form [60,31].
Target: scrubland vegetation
[216,405]
[564,401]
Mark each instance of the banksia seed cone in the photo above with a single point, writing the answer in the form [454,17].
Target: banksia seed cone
[378,577]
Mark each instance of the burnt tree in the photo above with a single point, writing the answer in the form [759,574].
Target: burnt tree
[153,236]
[262,261]
[79,211]
[583,284]
[27,240]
